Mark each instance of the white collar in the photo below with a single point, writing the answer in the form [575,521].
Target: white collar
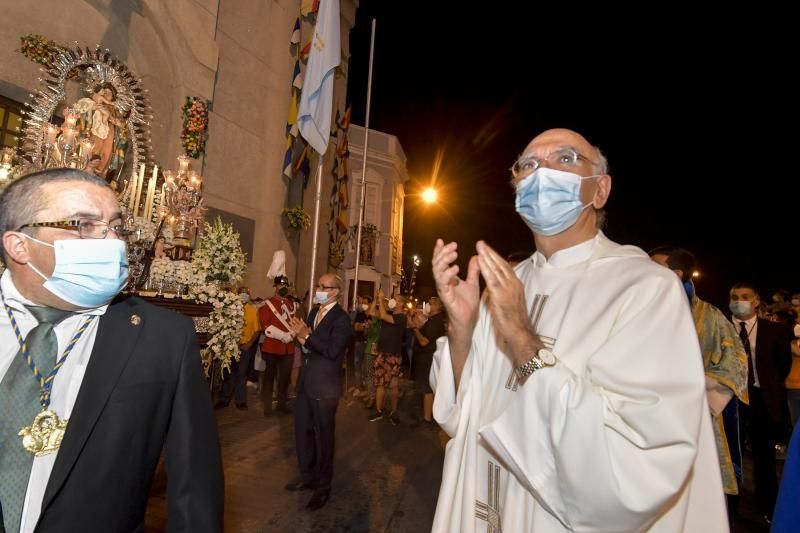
[568,256]
[750,322]
[327,307]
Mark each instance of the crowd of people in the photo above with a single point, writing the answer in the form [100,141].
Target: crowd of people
[586,387]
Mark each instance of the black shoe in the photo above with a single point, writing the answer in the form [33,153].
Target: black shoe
[241,406]
[220,405]
[395,419]
[318,500]
[375,415]
[298,485]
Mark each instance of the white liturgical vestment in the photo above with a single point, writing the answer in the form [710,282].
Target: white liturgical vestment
[615,437]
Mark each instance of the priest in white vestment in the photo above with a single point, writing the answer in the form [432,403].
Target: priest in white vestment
[574,390]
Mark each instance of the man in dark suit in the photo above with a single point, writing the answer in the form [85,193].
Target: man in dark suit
[324,338]
[128,380]
[769,358]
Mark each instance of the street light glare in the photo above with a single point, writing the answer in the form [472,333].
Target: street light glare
[429,195]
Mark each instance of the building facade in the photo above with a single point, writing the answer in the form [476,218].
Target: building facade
[384,198]
[237,54]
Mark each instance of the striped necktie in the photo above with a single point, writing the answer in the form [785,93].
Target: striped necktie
[19,405]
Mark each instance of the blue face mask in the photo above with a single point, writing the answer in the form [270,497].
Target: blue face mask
[322,297]
[741,308]
[88,272]
[549,200]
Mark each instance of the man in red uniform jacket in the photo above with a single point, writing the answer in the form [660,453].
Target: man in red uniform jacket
[278,347]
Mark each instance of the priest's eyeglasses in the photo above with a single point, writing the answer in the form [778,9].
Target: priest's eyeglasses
[564,158]
[86,228]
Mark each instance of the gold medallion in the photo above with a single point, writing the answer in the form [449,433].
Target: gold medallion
[44,435]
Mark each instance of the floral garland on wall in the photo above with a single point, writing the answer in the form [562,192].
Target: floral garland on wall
[39,49]
[43,51]
[195,123]
[218,262]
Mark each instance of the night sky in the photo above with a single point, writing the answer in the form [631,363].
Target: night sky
[696,116]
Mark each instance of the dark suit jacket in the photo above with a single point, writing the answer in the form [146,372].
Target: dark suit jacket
[143,386]
[773,361]
[327,345]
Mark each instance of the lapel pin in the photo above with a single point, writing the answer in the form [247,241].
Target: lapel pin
[136,320]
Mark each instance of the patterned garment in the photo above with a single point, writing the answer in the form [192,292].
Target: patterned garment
[387,368]
[724,360]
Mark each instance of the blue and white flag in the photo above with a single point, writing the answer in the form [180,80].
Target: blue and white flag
[316,100]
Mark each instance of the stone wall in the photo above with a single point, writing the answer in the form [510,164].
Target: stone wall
[233,52]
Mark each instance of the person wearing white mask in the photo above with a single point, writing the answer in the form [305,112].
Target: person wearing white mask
[573,389]
[92,386]
[324,337]
[768,346]
[390,355]
[278,348]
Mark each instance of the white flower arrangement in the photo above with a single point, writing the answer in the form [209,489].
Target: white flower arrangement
[219,260]
[224,326]
[162,269]
[219,254]
[183,272]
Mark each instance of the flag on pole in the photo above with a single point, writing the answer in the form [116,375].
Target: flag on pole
[316,100]
[292,132]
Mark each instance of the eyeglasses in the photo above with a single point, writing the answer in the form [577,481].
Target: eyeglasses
[328,287]
[565,158]
[86,228]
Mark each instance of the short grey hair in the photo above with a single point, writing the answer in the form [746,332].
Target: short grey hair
[23,200]
[601,164]
[600,167]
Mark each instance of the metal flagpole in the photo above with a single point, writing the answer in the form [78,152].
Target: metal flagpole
[363,169]
[312,281]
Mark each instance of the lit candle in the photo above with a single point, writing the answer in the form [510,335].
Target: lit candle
[71,117]
[50,134]
[86,147]
[183,164]
[148,203]
[68,135]
[8,155]
[138,196]
[191,180]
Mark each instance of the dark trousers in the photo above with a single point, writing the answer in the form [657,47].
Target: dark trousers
[314,422]
[282,366]
[235,383]
[763,436]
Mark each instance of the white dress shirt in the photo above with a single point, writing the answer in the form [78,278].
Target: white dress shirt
[66,384]
[751,325]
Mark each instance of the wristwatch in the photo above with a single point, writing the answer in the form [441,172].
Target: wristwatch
[543,358]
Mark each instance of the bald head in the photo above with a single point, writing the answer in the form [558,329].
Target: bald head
[550,140]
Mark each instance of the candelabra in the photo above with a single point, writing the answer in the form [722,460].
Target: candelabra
[64,147]
[182,202]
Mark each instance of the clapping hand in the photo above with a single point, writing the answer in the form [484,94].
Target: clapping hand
[298,327]
[460,297]
[506,304]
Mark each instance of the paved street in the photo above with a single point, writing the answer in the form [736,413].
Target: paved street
[386,478]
